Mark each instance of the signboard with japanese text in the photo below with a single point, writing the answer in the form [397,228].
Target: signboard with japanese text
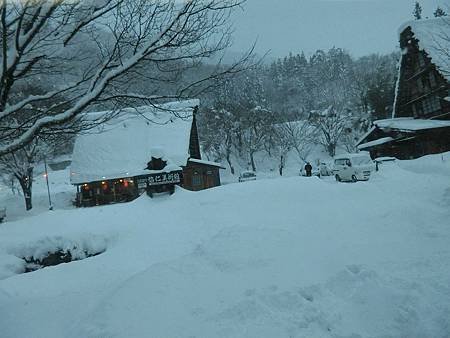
[173,177]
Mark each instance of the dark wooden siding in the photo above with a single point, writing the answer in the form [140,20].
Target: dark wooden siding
[415,145]
[198,176]
[422,88]
[194,144]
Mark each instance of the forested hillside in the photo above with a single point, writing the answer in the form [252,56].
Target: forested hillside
[296,102]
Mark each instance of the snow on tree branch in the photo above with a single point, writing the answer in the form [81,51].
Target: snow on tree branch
[81,54]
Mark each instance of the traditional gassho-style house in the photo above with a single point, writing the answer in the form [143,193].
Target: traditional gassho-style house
[144,149]
[421,116]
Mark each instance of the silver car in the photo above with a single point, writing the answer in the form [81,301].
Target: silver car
[247,176]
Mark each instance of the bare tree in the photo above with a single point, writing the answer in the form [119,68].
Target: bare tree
[8,180]
[218,135]
[300,135]
[441,44]
[330,125]
[255,127]
[91,49]
[282,145]
[20,164]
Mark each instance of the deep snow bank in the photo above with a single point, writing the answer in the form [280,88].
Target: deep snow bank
[295,257]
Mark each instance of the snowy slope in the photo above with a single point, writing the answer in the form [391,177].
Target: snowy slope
[61,191]
[289,257]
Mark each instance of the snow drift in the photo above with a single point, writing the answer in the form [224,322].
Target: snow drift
[290,257]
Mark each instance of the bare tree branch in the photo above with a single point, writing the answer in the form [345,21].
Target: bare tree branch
[85,54]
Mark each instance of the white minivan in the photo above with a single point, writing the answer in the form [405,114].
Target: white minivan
[353,167]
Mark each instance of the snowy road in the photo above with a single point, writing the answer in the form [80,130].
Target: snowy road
[291,257]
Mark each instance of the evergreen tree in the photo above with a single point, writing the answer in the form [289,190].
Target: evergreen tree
[417,12]
[439,12]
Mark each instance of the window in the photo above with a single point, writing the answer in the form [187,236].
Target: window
[414,110]
[342,161]
[197,179]
[426,84]
[431,104]
[432,80]
[418,109]
[419,85]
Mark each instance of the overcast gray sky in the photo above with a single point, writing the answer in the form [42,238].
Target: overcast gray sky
[359,26]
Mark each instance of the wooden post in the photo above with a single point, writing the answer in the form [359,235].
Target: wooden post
[78,199]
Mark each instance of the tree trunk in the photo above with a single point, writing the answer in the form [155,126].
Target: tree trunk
[281,165]
[331,149]
[229,163]
[252,161]
[26,182]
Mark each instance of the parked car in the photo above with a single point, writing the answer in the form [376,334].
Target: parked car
[325,169]
[247,176]
[2,214]
[353,167]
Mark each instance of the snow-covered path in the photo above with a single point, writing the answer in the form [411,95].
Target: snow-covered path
[291,257]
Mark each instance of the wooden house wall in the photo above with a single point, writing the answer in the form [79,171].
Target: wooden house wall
[200,176]
[106,192]
[432,141]
[422,88]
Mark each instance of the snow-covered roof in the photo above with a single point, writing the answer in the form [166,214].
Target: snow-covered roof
[210,163]
[411,124]
[385,159]
[373,143]
[352,155]
[123,146]
[434,38]
[362,138]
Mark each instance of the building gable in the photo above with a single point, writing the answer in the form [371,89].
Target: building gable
[194,143]
[423,81]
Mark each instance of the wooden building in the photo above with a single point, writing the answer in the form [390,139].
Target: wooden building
[420,121]
[141,150]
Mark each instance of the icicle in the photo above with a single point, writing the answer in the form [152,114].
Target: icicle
[397,84]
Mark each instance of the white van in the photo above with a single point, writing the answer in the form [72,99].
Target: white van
[353,167]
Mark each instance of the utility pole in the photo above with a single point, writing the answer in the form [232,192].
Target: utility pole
[50,206]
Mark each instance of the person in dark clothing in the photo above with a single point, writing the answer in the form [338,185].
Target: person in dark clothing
[308,169]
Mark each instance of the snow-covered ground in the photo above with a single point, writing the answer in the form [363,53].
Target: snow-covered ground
[61,191]
[287,257]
